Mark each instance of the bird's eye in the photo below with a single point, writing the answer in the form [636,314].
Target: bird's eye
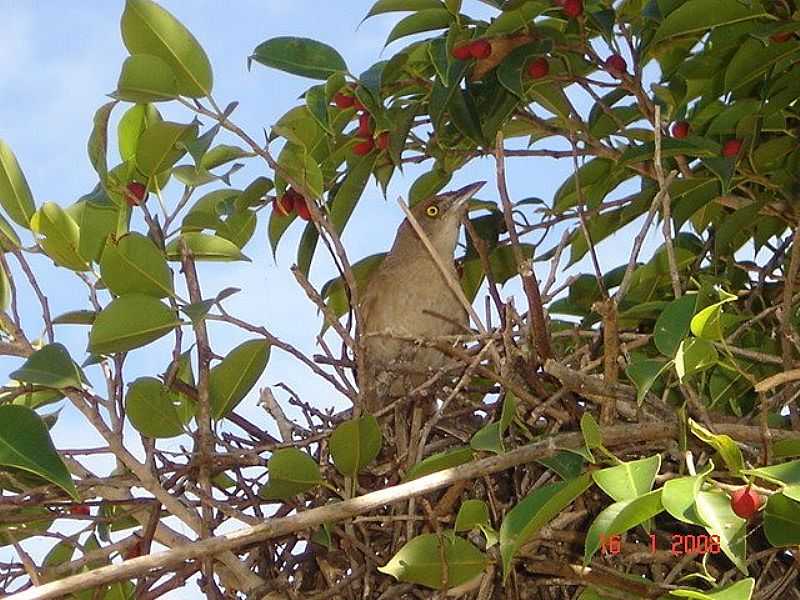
[432,211]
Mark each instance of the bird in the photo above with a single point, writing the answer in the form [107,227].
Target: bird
[408,297]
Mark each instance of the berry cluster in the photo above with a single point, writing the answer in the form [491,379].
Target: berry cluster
[291,202]
[345,99]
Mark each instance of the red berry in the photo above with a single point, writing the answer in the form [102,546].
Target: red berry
[80,510]
[480,49]
[383,140]
[745,502]
[301,208]
[137,194]
[680,129]
[283,205]
[780,38]
[363,148]
[538,68]
[364,125]
[731,148]
[572,8]
[616,65]
[462,52]
[343,100]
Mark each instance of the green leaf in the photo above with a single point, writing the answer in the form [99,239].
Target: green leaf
[334,291]
[488,438]
[291,472]
[354,444]
[161,145]
[630,479]
[715,511]
[472,514]
[699,15]
[513,19]
[782,521]
[134,264]
[753,59]
[431,560]
[51,367]
[15,195]
[297,163]
[678,497]
[98,140]
[644,374]
[205,247]
[428,19]
[567,464]
[722,443]
[222,154]
[673,325]
[386,6]
[75,317]
[129,322]
[694,355]
[8,237]
[146,78]
[149,29]
[25,444]
[59,236]
[428,184]
[619,517]
[787,473]
[317,104]
[439,462]
[131,126]
[537,509]
[741,590]
[233,378]
[97,220]
[349,193]
[592,434]
[300,56]
[154,410]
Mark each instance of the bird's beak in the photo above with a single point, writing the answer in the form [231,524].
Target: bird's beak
[456,199]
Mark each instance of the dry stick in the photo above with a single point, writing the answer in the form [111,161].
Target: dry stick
[777,380]
[274,528]
[786,323]
[204,441]
[666,205]
[480,247]
[312,294]
[539,337]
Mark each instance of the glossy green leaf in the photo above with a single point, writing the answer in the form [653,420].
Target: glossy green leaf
[699,15]
[782,520]
[334,292]
[15,195]
[59,236]
[514,19]
[346,198]
[130,127]
[8,237]
[223,154]
[146,78]
[298,165]
[678,497]
[75,317]
[535,511]
[354,444]
[291,472]
[153,409]
[97,146]
[567,464]
[619,518]
[440,462]
[428,19]
[715,511]
[26,445]
[787,473]
[161,145]
[431,560]
[134,265]
[473,513]
[206,247]
[673,325]
[754,58]
[51,367]
[644,374]
[694,355]
[149,29]
[741,590]
[387,6]
[129,322]
[300,56]
[98,219]
[233,378]
[592,435]
[630,479]
[722,443]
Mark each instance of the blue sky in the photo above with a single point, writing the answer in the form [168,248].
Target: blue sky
[57,62]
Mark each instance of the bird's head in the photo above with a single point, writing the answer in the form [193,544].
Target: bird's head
[440,217]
